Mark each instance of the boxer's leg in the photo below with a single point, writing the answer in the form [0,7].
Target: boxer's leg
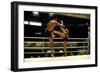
[65,40]
[51,45]
[61,34]
[65,46]
[52,34]
[64,36]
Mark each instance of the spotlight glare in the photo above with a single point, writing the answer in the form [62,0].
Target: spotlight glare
[51,14]
[35,13]
[36,23]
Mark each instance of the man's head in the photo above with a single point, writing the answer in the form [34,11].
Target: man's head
[55,18]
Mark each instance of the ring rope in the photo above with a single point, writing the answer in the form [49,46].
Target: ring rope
[53,38]
[53,48]
[54,42]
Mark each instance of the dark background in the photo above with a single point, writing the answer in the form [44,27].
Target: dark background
[77,26]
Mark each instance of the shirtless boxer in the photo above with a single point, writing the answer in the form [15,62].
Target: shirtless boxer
[63,33]
[50,32]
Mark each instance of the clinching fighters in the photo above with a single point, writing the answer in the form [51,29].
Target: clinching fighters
[62,32]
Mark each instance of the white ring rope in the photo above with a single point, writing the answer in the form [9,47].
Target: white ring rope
[28,42]
[53,38]
[49,42]
[53,48]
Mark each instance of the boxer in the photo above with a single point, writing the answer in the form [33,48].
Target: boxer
[63,33]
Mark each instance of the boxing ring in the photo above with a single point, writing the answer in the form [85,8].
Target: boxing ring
[68,58]
[38,47]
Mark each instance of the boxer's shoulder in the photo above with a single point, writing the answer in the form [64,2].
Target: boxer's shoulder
[53,21]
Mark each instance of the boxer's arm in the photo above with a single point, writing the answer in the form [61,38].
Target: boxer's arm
[67,30]
[58,24]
